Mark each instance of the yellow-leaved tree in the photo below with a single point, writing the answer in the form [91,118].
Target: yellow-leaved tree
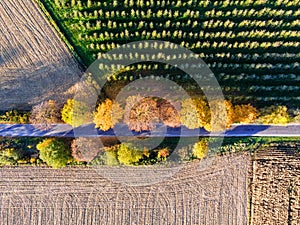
[128,154]
[221,115]
[194,113]
[76,113]
[108,113]
[274,115]
[200,149]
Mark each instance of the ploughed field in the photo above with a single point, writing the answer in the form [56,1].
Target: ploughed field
[35,63]
[212,194]
[276,185]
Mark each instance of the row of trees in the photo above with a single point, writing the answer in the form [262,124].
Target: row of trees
[139,114]
[177,4]
[142,114]
[58,153]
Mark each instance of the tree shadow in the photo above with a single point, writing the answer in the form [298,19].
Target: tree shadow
[246,130]
[31,84]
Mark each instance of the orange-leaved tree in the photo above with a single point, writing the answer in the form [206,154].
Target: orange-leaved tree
[245,113]
[141,113]
[168,114]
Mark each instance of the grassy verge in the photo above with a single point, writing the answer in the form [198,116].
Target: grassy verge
[23,151]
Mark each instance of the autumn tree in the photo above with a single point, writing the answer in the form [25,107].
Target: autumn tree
[128,154]
[85,149]
[274,115]
[245,113]
[76,113]
[200,149]
[194,113]
[45,114]
[163,153]
[141,113]
[54,152]
[67,112]
[168,114]
[221,115]
[108,113]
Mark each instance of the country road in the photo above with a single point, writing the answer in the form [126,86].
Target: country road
[64,130]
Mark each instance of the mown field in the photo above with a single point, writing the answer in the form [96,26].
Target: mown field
[35,64]
[216,194]
[251,46]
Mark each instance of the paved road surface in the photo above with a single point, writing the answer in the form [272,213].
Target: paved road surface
[64,130]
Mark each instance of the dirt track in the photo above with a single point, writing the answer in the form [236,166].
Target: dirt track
[34,62]
[216,194]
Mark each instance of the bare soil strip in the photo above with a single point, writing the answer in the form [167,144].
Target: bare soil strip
[35,64]
[276,185]
[216,194]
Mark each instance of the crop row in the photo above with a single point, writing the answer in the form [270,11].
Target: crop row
[175,4]
[225,56]
[223,45]
[110,30]
[250,45]
[115,19]
[214,66]
[146,13]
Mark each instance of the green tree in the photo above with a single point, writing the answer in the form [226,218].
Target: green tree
[13,116]
[111,158]
[9,156]
[12,150]
[129,154]
[54,152]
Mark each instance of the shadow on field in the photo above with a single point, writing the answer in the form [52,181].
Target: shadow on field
[23,88]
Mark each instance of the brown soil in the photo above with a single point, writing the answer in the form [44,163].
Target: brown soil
[276,185]
[35,64]
[213,194]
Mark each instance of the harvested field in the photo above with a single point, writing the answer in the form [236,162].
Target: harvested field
[276,185]
[39,195]
[35,64]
